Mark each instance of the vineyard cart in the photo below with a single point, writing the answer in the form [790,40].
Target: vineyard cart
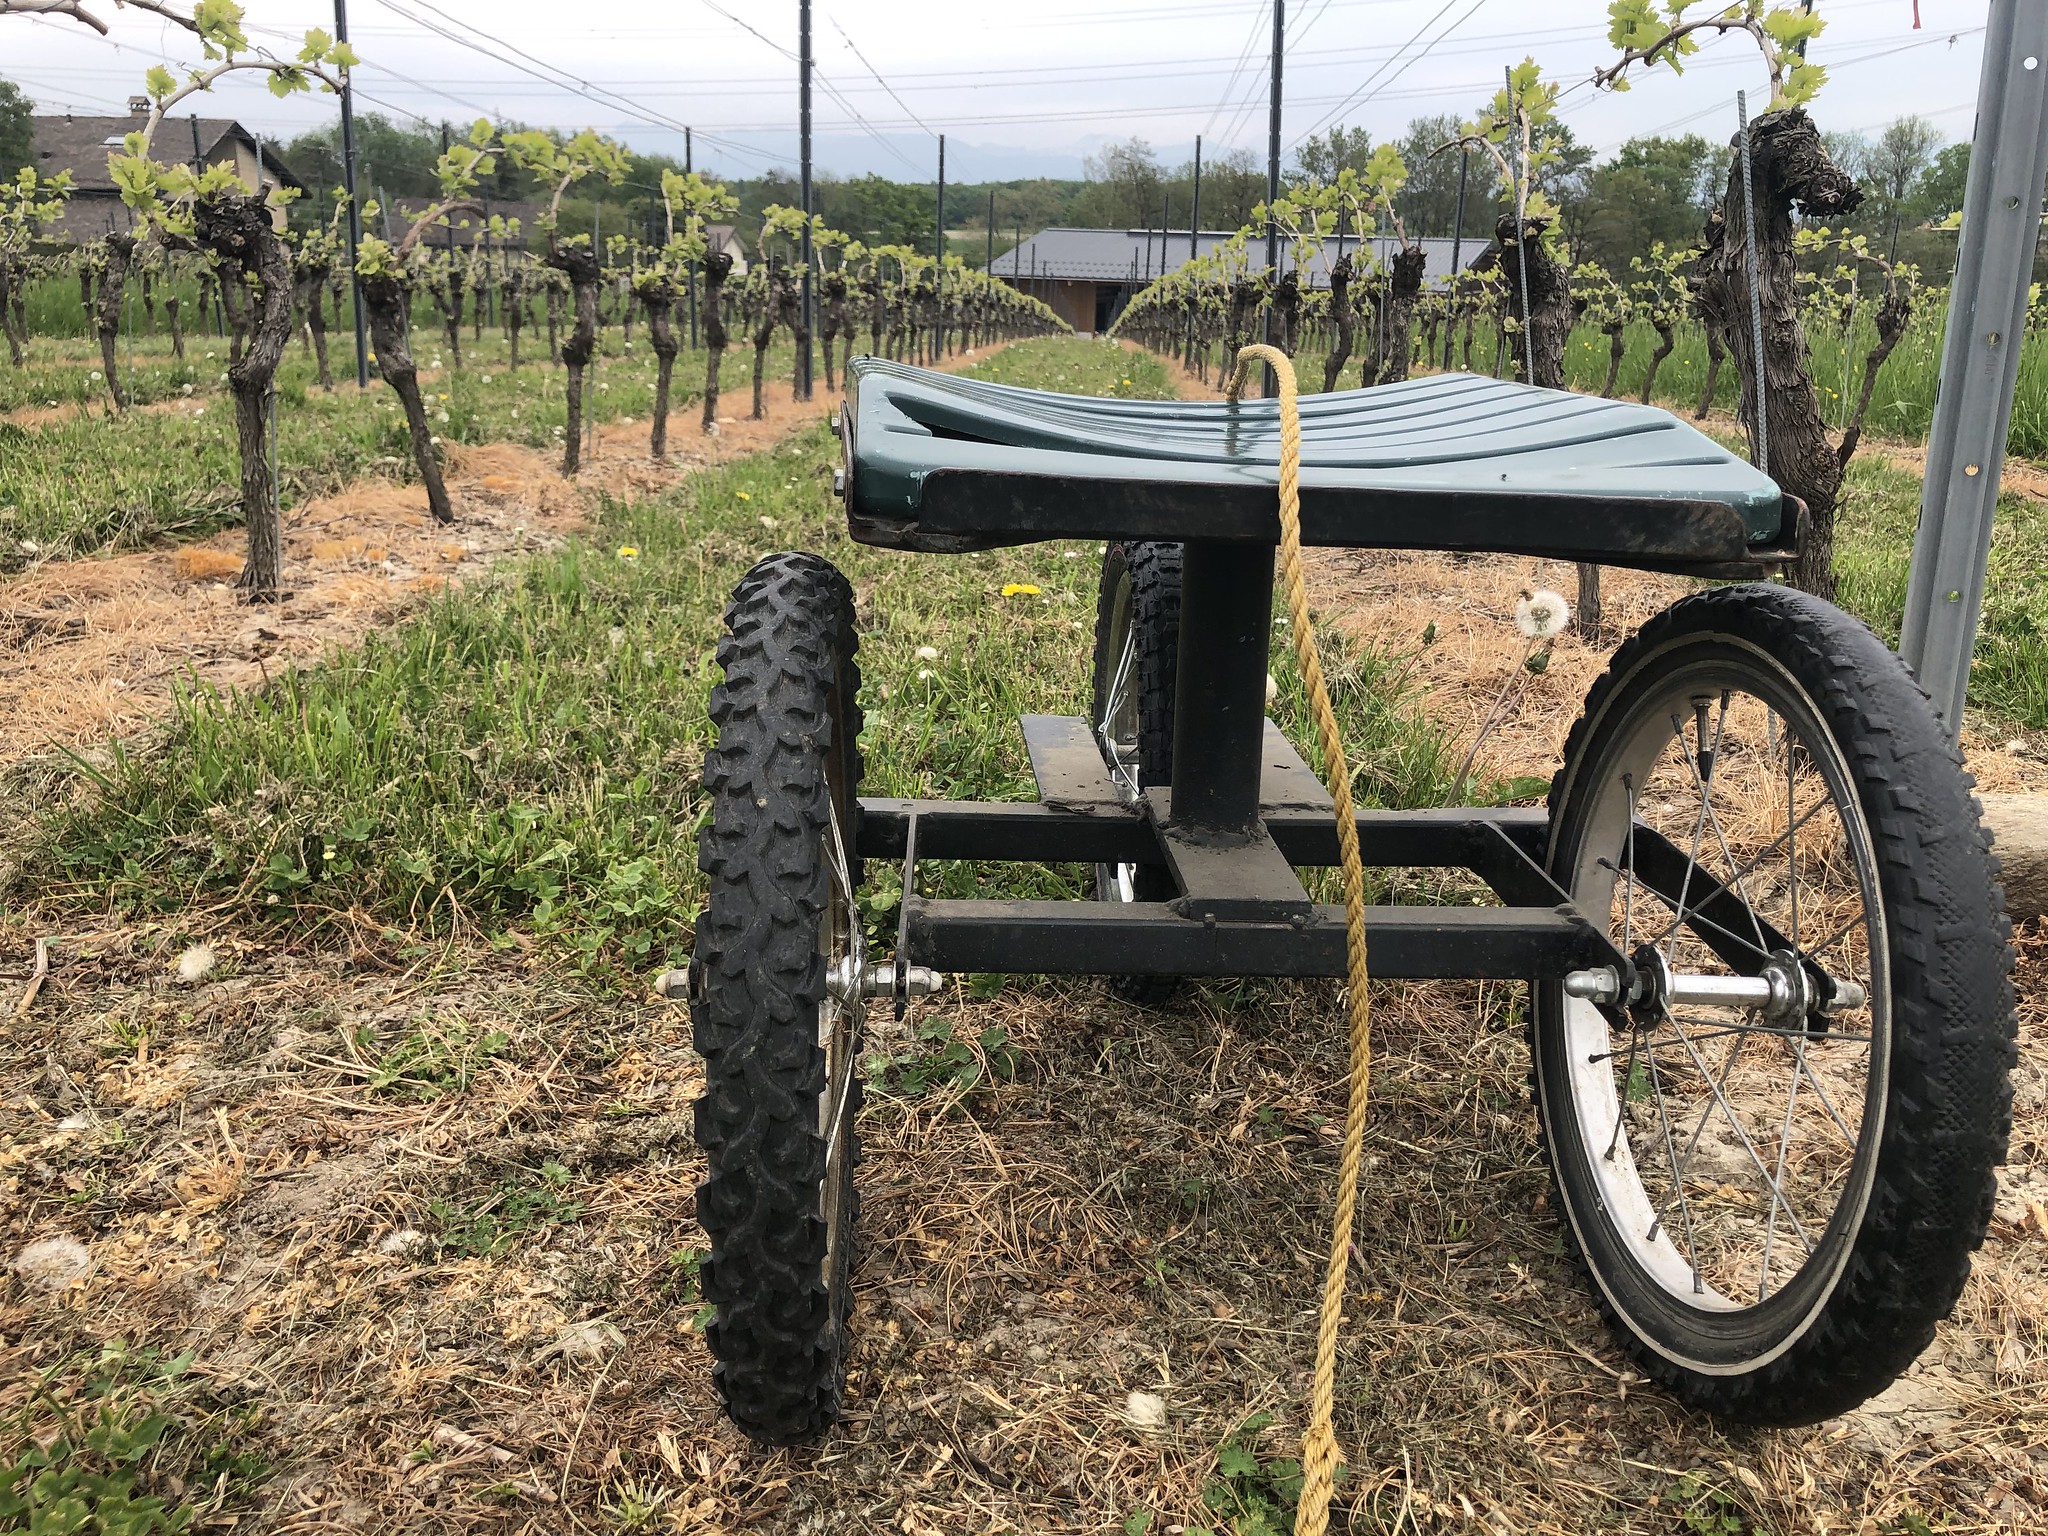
[1770,1020]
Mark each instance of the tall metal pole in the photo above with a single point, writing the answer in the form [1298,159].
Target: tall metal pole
[1457,249]
[448,230]
[1194,243]
[988,262]
[939,252]
[1980,357]
[355,206]
[803,70]
[1273,183]
[689,165]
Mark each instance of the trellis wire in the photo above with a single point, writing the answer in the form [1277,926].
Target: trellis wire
[1762,442]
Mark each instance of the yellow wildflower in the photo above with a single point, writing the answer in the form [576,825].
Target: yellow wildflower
[628,552]
[1019,589]
[743,496]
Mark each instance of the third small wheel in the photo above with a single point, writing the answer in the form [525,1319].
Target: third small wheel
[1774,1147]
[1137,653]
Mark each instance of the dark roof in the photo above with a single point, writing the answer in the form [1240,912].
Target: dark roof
[80,145]
[1135,255]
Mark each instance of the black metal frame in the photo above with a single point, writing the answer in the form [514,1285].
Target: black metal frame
[1243,812]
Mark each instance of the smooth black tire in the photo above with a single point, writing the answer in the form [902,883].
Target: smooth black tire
[778,1201]
[1834,1321]
[1137,654]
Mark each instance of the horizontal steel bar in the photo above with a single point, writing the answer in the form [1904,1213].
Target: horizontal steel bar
[1468,838]
[1021,832]
[1147,938]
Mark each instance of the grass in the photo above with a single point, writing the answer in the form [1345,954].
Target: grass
[89,481]
[522,758]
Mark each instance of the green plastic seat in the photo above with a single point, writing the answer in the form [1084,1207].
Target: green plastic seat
[942,464]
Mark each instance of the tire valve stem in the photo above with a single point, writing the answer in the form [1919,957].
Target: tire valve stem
[1706,753]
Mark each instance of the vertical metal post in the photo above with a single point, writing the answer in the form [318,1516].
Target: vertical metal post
[1457,249]
[988,262]
[355,206]
[1980,356]
[1195,238]
[1518,173]
[1760,443]
[1220,698]
[803,70]
[448,230]
[1273,183]
[689,165]
[1165,224]
[939,252]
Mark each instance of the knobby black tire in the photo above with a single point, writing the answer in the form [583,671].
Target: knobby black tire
[1948,1097]
[788,719]
[1154,574]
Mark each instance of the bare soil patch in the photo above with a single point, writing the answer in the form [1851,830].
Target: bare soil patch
[92,649]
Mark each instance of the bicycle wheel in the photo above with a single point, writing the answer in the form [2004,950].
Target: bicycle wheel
[1774,1145]
[776,998]
[1137,652]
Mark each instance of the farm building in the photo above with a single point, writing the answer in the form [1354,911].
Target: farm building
[1088,275]
[81,145]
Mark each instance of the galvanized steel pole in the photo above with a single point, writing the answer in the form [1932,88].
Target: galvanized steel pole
[1980,356]
[1457,250]
[803,354]
[355,206]
[1273,180]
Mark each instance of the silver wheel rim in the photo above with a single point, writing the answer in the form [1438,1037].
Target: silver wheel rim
[842,1016]
[1732,1150]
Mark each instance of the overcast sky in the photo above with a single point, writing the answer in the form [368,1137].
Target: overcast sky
[1018,89]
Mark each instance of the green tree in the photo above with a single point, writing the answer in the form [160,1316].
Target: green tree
[1126,187]
[1322,155]
[17,128]
[1655,189]
[1429,202]
[1939,191]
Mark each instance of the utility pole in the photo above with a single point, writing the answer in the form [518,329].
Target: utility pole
[1980,356]
[1273,184]
[1457,246]
[988,262]
[803,107]
[355,205]
[689,165]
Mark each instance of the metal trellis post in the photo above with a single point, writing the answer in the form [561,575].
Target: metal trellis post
[803,355]
[1980,356]
[1273,181]
[1762,443]
[355,207]
[1457,249]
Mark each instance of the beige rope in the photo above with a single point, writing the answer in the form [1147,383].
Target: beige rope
[1318,1442]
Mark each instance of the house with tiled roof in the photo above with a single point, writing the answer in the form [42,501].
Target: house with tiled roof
[81,145]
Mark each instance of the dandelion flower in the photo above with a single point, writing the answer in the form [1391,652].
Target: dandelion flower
[744,495]
[926,653]
[925,674]
[442,417]
[629,552]
[94,374]
[1019,589]
[197,963]
[1541,614]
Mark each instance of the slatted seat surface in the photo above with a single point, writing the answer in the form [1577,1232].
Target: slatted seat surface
[940,463]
